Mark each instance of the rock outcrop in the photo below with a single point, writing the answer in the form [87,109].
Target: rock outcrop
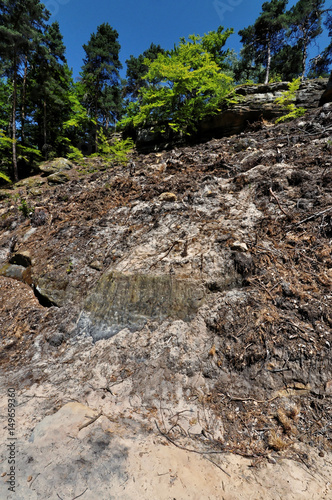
[257,103]
[327,95]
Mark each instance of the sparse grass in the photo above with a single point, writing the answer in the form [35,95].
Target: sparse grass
[276,443]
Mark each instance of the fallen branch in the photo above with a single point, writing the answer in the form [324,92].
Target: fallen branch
[184,448]
[248,399]
[312,217]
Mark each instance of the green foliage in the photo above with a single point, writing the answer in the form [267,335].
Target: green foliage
[27,210]
[265,37]
[25,153]
[74,154]
[294,113]
[21,26]
[321,65]
[136,69]
[49,83]
[183,86]
[102,96]
[5,177]
[114,150]
[287,62]
[286,101]
[304,22]
[5,142]
[275,78]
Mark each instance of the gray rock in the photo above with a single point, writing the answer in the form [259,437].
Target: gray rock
[327,95]
[245,143]
[58,178]
[128,301]
[239,246]
[55,166]
[55,339]
[97,265]
[36,191]
[13,271]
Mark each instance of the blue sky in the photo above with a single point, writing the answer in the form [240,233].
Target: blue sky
[141,22]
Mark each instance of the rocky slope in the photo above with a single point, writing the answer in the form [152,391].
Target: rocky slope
[167,325]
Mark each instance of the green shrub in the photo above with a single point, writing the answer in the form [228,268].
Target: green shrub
[27,210]
[286,101]
[114,150]
[5,177]
[75,154]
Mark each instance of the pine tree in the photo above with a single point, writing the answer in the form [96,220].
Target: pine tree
[287,63]
[305,25]
[137,69]
[21,26]
[100,78]
[265,37]
[321,65]
[50,82]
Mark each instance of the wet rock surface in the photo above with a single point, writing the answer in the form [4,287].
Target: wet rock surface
[242,378]
[128,301]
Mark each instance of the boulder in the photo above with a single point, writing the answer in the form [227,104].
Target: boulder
[310,92]
[256,102]
[58,178]
[13,271]
[55,166]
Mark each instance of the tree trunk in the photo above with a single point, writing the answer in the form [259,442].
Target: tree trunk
[96,115]
[268,65]
[45,128]
[96,136]
[23,98]
[15,170]
[304,56]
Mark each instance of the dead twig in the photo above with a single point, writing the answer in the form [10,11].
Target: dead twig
[214,463]
[264,288]
[275,197]
[164,256]
[34,479]
[313,216]
[165,435]
[78,496]
[248,399]
[89,423]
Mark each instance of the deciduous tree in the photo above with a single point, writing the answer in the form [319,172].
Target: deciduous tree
[182,86]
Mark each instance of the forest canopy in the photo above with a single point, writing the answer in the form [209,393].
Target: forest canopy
[44,113]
